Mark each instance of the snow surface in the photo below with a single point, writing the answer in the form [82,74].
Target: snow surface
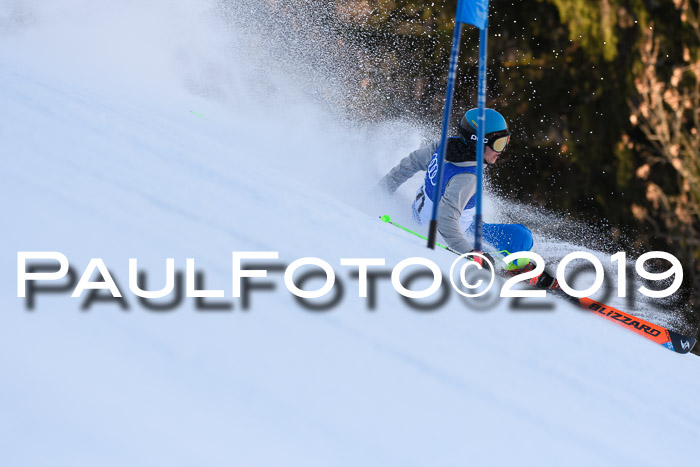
[102,156]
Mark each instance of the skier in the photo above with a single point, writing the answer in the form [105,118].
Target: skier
[457,196]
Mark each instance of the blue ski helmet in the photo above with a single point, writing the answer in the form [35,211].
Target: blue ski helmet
[494,121]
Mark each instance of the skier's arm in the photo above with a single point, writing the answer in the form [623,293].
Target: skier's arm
[457,193]
[416,161]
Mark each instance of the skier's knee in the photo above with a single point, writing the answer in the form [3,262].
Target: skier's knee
[521,240]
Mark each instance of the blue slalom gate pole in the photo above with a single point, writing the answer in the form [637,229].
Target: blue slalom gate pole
[432,232]
[474,12]
[478,220]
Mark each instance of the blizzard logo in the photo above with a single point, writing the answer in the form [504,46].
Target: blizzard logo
[685,345]
[627,320]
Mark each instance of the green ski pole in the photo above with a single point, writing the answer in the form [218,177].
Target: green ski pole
[386,218]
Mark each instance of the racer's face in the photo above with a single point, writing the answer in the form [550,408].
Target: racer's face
[490,156]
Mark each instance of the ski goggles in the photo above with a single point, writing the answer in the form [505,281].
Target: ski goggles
[498,140]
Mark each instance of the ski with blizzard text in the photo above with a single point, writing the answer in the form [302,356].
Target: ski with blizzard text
[659,334]
[670,339]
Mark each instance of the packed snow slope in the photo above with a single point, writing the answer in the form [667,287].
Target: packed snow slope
[138,131]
